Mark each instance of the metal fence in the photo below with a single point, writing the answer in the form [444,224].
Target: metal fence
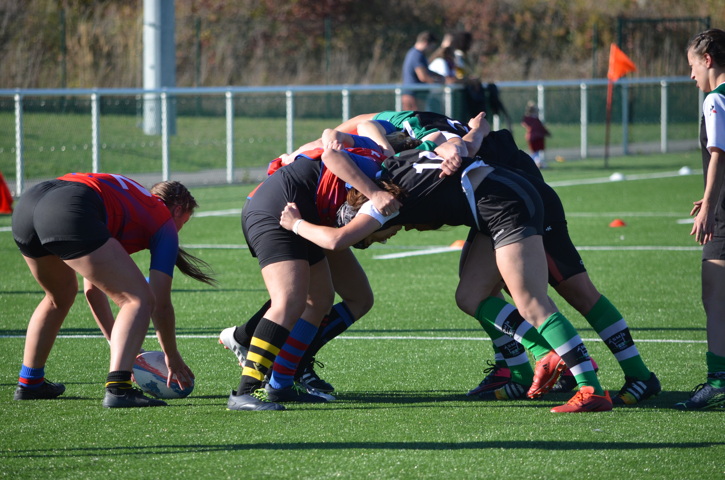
[231,133]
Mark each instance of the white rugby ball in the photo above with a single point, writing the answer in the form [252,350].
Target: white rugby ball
[150,374]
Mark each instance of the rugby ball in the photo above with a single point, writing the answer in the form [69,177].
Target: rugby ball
[150,374]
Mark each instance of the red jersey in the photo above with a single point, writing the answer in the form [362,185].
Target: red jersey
[331,191]
[134,216]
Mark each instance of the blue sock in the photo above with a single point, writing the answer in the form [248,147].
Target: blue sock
[285,365]
[31,377]
[340,320]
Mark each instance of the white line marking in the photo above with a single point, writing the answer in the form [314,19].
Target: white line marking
[376,337]
[218,247]
[634,176]
[434,250]
[219,213]
[428,251]
[643,248]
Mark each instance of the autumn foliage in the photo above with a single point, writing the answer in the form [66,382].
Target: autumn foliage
[86,43]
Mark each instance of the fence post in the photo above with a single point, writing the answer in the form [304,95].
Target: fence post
[19,161]
[399,99]
[230,136]
[663,116]
[290,120]
[165,170]
[541,101]
[448,101]
[345,104]
[584,121]
[95,134]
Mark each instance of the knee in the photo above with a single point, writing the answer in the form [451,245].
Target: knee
[466,302]
[361,303]
[62,298]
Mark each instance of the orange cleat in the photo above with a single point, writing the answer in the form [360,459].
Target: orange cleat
[546,373]
[586,401]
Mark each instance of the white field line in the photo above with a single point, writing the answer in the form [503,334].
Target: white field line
[378,337]
[635,176]
[433,250]
[220,213]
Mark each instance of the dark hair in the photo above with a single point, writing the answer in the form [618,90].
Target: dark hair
[401,141]
[426,36]
[175,194]
[356,199]
[711,42]
[462,41]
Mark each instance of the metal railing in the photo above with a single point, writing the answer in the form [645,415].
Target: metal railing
[557,101]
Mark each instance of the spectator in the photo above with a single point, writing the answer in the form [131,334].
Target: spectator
[416,71]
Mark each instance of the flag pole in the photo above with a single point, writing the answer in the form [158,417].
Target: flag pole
[619,65]
[610,88]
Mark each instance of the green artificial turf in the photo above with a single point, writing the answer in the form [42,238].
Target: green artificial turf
[401,373]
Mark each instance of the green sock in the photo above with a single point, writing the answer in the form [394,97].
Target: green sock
[512,353]
[562,335]
[506,318]
[614,331]
[715,370]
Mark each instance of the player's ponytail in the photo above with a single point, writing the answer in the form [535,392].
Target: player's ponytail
[194,267]
[175,194]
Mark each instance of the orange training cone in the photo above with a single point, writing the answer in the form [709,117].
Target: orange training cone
[617,223]
[6,198]
[458,244]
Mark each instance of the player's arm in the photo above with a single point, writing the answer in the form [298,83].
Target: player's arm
[704,210]
[350,126]
[329,238]
[164,250]
[345,169]
[374,131]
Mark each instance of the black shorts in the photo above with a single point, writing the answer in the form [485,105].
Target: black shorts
[267,240]
[65,219]
[562,257]
[561,254]
[715,248]
[509,208]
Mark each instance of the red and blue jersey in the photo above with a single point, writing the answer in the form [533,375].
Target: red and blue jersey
[331,190]
[135,217]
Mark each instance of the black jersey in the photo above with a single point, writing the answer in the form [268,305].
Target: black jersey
[498,147]
[431,121]
[428,199]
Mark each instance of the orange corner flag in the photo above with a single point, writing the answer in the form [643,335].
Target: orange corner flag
[619,64]
[6,199]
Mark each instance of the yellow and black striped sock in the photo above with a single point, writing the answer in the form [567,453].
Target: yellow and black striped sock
[266,343]
[118,380]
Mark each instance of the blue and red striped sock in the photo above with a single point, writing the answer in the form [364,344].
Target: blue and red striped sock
[31,377]
[286,363]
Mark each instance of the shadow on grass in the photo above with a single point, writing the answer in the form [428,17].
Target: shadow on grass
[549,445]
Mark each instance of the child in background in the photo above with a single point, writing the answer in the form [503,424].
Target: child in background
[536,133]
